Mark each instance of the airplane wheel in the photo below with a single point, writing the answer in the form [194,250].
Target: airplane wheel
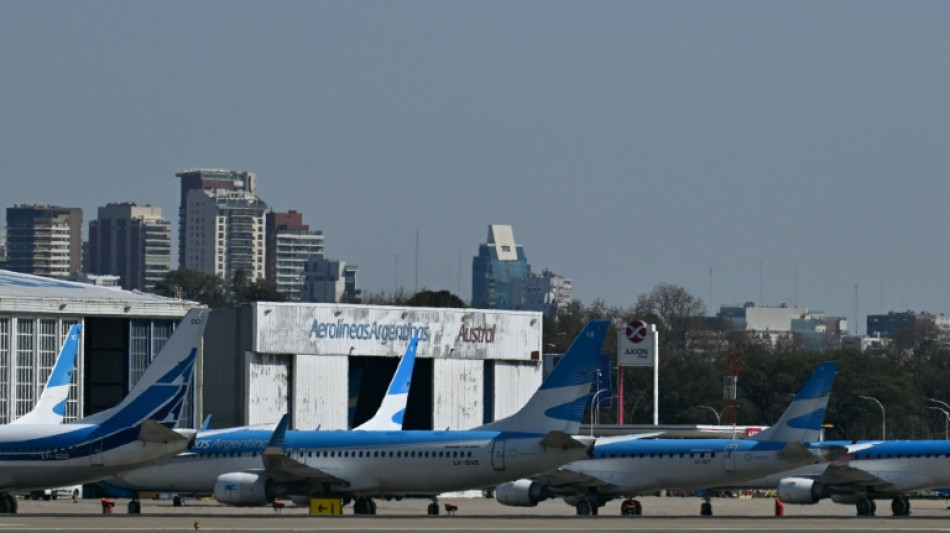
[433,509]
[135,507]
[627,508]
[4,505]
[865,507]
[900,506]
[177,501]
[584,508]
[363,506]
[11,503]
[705,509]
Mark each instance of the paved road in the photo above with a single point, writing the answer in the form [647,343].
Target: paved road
[660,514]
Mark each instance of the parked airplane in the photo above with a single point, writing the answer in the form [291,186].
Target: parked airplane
[51,407]
[363,465]
[220,451]
[626,466]
[133,433]
[882,469]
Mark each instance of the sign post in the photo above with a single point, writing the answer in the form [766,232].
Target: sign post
[638,345]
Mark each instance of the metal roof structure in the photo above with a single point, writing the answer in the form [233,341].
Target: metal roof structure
[36,294]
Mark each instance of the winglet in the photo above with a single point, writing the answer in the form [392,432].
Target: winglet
[280,432]
[391,411]
[51,407]
[206,423]
[802,421]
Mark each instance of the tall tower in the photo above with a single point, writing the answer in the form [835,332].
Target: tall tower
[498,270]
[290,244]
[224,232]
[44,240]
[207,179]
[132,242]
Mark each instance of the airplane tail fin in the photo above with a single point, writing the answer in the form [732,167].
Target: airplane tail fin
[51,407]
[160,392]
[560,401]
[393,407]
[802,421]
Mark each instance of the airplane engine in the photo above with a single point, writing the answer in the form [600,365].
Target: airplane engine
[800,490]
[243,489]
[520,493]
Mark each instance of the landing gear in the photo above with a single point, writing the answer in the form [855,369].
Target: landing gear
[631,507]
[900,506]
[587,508]
[135,507]
[178,501]
[8,504]
[433,509]
[364,506]
[866,507]
[706,508]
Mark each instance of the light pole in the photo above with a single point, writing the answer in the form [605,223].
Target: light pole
[883,415]
[944,404]
[946,427]
[715,412]
[594,410]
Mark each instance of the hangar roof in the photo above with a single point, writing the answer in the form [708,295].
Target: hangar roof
[29,293]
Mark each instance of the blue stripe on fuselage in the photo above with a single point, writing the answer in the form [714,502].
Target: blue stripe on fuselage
[668,446]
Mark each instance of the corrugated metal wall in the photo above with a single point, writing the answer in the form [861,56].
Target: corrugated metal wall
[267,388]
[457,394]
[320,391]
[514,384]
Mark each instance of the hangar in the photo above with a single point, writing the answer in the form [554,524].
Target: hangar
[122,331]
[328,364]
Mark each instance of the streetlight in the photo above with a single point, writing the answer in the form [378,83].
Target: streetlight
[715,412]
[944,404]
[883,415]
[594,417]
[946,428]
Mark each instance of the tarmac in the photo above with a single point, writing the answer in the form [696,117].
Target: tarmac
[474,514]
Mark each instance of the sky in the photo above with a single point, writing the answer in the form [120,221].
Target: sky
[770,152]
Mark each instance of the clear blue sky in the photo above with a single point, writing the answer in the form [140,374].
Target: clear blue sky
[628,143]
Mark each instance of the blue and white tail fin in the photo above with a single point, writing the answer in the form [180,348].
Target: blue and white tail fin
[390,414]
[160,392]
[802,421]
[51,407]
[558,405]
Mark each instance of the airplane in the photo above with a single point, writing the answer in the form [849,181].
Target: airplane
[626,465]
[220,451]
[880,470]
[35,456]
[51,407]
[363,465]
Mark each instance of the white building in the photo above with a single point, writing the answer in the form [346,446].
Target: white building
[546,292]
[131,241]
[329,364]
[122,332]
[225,233]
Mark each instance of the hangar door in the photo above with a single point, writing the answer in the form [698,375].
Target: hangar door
[268,390]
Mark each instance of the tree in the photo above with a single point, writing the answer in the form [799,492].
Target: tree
[426,298]
[208,289]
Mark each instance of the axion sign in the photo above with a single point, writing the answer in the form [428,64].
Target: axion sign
[636,344]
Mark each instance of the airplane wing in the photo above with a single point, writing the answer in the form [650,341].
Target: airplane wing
[283,468]
[607,481]
[152,431]
[843,474]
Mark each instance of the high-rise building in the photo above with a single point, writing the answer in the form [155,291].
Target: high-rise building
[498,269]
[207,179]
[290,244]
[330,281]
[44,240]
[224,233]
[546,292]
[132,242]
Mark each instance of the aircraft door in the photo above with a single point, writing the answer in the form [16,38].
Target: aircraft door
[498,454]
[730,459]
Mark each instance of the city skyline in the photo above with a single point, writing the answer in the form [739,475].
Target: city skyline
[774,152]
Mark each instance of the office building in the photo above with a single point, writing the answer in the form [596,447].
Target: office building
[44,240]
[224,233]
[546,292]
[132,242]
[289,245]
[207,179]
[498,270]
[330,281]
